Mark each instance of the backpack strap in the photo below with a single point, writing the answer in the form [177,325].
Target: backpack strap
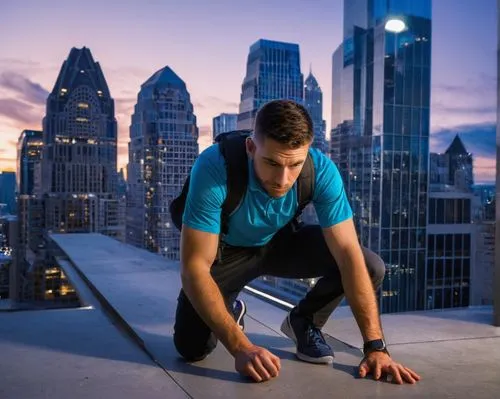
[305,186]
[233,149]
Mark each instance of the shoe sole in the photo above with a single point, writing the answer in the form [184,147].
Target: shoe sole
[287,329]
[242,314]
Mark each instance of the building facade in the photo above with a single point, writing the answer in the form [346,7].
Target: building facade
[272,73]
[163,147]
[29,156]
[380,136]
[313,102]
[224,123]
[79,162]
[7,193]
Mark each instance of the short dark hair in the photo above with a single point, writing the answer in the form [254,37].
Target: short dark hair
[286,122]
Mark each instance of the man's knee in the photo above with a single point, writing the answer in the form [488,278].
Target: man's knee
[375,266]
[191,350]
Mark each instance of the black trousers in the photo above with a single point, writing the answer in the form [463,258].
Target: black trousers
[292,253]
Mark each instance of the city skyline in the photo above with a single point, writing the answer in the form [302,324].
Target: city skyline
[463,85]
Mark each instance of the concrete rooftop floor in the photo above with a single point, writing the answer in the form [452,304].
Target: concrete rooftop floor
[120,344]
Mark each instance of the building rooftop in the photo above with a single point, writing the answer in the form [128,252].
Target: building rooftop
[118,344]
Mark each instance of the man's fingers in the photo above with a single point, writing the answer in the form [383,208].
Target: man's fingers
[413,374]
[363,369]
[277,362]
[260,369]
[377,373]
[250,371]
[396,375]
[268,363]
[406,375]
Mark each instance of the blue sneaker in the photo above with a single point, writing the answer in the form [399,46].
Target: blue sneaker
[311,345]
[239,310]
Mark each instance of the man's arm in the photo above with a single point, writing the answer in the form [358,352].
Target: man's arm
[198,252]
[343,244]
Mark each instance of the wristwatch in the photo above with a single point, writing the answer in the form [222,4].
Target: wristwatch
[377,345]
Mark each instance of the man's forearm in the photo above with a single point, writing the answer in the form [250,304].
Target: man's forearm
[207,300]
[359,291]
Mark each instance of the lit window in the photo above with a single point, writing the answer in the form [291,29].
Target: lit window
[83,105]
[80,119]
[63,90]
[99,93]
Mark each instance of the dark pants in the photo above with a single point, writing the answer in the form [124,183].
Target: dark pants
[290,254]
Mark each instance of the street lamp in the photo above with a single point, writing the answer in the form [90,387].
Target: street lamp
[395,25]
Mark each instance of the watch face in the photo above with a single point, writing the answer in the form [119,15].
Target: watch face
[376,345]
[379,345]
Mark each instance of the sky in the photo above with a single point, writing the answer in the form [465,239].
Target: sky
[207,43]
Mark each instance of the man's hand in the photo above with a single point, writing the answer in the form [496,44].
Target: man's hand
[257,363]
[378,363]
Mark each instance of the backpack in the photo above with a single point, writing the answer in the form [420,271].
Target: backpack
[233,149]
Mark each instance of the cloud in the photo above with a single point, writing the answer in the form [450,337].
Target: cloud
[484,170]
[30,91]
[20,112]
[216,101]
[480,139]
[461,109]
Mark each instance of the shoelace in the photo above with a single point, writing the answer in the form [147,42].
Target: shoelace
[315,337]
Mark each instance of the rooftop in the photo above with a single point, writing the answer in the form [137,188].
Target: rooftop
[118,344]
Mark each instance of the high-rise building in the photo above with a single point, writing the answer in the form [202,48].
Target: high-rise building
[163,147]
[79,163]
[380,136]
[451,248]
[122,185]
[460,162]
[273,72]
[224,123]
[7,193]
[453,167]
[313,101]
[29,155]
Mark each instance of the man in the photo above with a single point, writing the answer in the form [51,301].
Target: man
[261,240]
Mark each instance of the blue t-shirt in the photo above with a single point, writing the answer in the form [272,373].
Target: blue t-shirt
[259,216]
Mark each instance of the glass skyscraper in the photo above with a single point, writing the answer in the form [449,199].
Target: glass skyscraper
[163,147]
[7,193]
[29,155]
[224,123]
[273,72]
[313,101]
[380,136]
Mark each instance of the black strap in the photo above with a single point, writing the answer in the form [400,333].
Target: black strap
[233,148]
[305,185]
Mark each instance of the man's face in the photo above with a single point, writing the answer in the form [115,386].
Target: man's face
[276,165]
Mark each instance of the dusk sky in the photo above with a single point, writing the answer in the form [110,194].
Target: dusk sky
[207,42]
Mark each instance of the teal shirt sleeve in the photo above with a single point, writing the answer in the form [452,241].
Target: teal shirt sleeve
[207,192]
[329,199]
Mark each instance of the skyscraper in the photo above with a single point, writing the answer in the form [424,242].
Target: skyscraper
[7,193]
[313,101]
[163,147]
[29,155]
[273,72]
[380,136]
[79,160]
[224,123]
[453,167]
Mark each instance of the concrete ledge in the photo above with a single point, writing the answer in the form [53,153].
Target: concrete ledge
[142,289]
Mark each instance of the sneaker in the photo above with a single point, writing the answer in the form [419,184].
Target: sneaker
[311,345]
[239,310]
